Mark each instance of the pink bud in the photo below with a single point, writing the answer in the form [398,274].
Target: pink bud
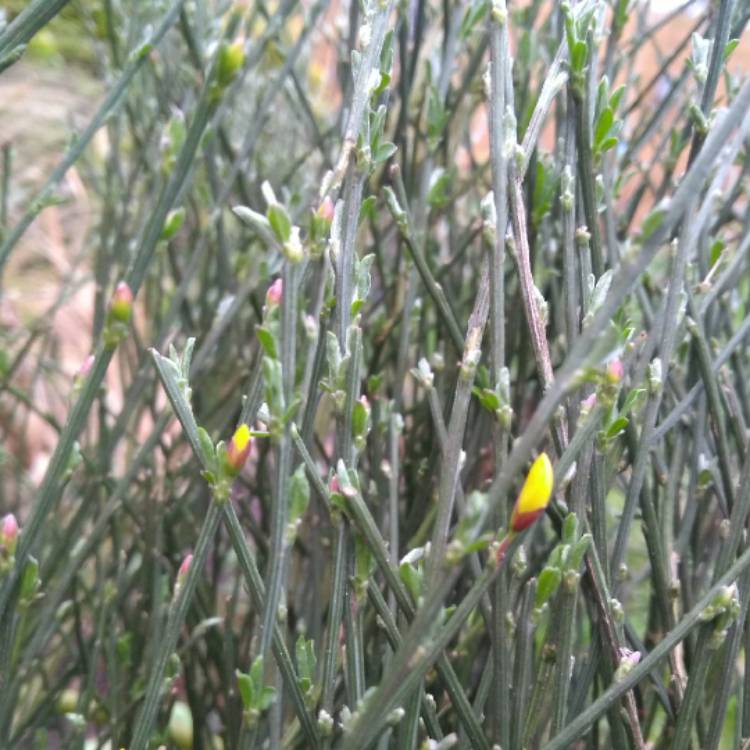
[274,293]
[122,303]
[631,658]
[184,567]
[333,486]
[9,533]
[364,401]
[85,369]
[628,659]
[589,402]
[326,209]
[615,370]
[182,572]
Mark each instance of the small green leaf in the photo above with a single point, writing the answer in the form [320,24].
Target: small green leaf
[124,649]
[173,223]
[439,194]
[570,529]
[631,399]
[437,117]
[578,57]
[614,100]
[245,686]
[412,578]
[547,585]
[256,671]
[280,222]
[730,47]
[386,53]
[487,398]
[29,579]
[383,152]
[360,419]
[207,447]
[266,698]
[652,222]
[472,17]
[717,248]
[603,126]
[305,653]
[616,427]
[367,209]
[299,494]
[575,557]
[479,545]
[267,341]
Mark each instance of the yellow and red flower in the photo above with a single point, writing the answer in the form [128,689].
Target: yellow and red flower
[238,449]
[535,494]
[531,503]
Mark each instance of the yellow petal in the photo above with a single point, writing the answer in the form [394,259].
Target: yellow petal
[537,489]
[241,438]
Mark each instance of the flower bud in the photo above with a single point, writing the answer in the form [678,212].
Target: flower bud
[184,567]
[535,494]
[180,727]
[83,372]
[334,488]
[9,534]
[615,370]
[293,250]
[121,307]
[628,659]
[326,209]
[85,369]
[588,403]
[325,723]
[238,450]
[274,293]
[361,420]
[231,59]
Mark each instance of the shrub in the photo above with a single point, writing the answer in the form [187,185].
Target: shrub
[352,270]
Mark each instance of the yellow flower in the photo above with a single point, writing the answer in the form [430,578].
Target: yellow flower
[238,449]
[535,494]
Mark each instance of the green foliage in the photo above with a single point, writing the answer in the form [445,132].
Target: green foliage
[441,312]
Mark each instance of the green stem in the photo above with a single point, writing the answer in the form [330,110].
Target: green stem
[257,592]
[136,60]
[578,726]
[145,721]
[23,27]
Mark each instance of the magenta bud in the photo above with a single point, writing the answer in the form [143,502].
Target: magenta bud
[333,486]
[9,533]
[274,293]
[122,303]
